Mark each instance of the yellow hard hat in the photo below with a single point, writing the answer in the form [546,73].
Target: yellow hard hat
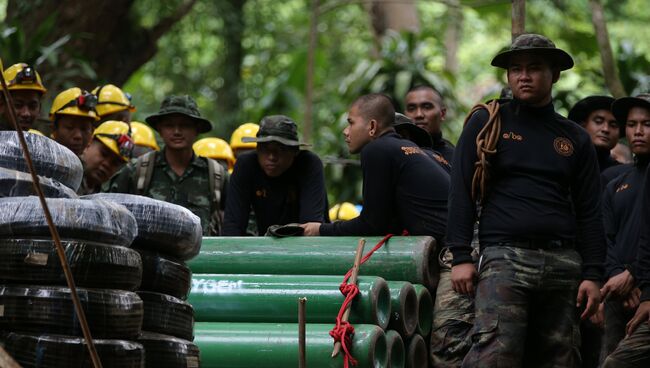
[343,211]
[21,76]
[116,135]
[111,99]
[215,148]
[244,130]
[143,135]
[74,101]
[34,131]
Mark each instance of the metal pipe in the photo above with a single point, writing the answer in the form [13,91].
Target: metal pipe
[272,298]
[425,310]
[407,258]
[416,352]
[394,349]
[251,345]
[404,308]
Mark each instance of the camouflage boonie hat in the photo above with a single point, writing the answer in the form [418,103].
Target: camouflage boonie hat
[621,107]
[183,105]
[277,128]
[416,134]
[531,42]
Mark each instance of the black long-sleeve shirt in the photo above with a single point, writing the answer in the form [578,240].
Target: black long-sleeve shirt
[403,189]
[298,195]
[622,218]
[544,185]
[443,146]
[643,256]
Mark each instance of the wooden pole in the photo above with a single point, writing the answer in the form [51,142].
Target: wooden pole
[518,17]
[94,357]
[302,340]
[6,361]
[353,280]
[612,78]
[308,126]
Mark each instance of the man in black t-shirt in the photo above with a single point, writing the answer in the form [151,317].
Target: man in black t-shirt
[280,182]
[540,227]
[403,187]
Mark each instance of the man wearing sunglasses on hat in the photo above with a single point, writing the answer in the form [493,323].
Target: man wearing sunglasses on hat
[109,150]
[280,182]
[73,116]
[26,89]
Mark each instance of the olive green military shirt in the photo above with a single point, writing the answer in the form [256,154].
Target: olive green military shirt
[190,190]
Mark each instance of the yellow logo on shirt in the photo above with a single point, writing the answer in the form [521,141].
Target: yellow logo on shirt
[563,146]
[513,136]
[412,150]
[622,187]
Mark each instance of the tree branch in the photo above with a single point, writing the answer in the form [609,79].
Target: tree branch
[612,78]
[168,22]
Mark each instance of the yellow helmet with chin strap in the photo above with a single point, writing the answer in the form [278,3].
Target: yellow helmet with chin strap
[143,135]
[343,212]
[111,99]
[21,76]
[74,101]
[116,135]
[244,130]
[215,148]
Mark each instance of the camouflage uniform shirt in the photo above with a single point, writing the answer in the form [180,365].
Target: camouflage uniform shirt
[190,190]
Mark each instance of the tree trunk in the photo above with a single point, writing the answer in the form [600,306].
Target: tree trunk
[309,84]
[106,34]
[606,55]
[518,18]
[453,35]
[388,14]
[233,32]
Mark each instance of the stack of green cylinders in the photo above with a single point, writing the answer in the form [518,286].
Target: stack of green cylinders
[394,349]
[417,355]
[273,298]
[407,258]
[271,345]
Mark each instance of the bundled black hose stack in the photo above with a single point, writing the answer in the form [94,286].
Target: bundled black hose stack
[38,324]
[168,235]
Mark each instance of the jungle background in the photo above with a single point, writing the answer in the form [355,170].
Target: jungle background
[308,59]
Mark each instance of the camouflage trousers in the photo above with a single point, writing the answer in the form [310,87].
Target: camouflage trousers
[633,351]
[453,318]
[525,309]
[616,318]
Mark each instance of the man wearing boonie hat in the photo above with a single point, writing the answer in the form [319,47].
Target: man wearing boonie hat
[280,182]
[623,214]
[175,174]
[403,188]
[594,114]
[540,227]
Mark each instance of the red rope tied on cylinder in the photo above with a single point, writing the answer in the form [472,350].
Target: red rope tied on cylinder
[343,330]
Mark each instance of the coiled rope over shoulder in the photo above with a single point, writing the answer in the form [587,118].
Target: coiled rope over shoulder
[486,146]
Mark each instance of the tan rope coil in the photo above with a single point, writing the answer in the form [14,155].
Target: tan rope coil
[486,146]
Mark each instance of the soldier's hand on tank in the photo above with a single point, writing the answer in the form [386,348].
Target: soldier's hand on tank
[591,291]
[633,299]
[463,278]
[311,228]
[642,315]
[619,285]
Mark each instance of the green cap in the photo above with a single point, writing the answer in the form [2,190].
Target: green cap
[277,128]
[183,105]
[530,42]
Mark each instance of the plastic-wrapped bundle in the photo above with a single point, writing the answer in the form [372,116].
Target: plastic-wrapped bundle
[167,315]
[165,275]
[93,265]
[50,159]
[99,221]
[59,351]
[163,227]
[169,352]
[49,309]
[14,183]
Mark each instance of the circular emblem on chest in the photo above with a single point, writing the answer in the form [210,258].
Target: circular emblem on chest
[563,146]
